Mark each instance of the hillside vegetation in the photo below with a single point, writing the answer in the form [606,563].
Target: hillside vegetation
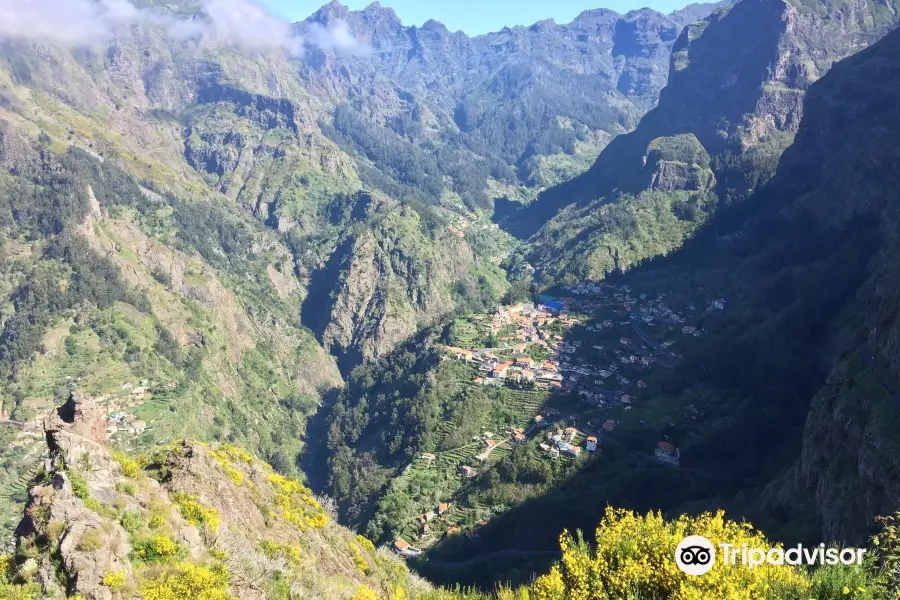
[213,522]
[698,151]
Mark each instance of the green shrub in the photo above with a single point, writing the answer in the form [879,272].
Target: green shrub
[131,522]
[159,549]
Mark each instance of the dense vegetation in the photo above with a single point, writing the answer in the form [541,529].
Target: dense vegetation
[44,206]
[59,280]
[401,167]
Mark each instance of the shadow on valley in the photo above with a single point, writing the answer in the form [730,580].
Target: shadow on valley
[750,377]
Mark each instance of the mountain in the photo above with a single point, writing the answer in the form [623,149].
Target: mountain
[213,522]
[732,105]
[240,210]
[795,383]
[277,237]
[288,128]
[531,105]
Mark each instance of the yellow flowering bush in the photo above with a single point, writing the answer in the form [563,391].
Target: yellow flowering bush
[399,593]
[223,458]
[236,454]
[365,542]
[635,558]
[186,580]
[156,521]
[6,565]
[9,591]
[159,549]
[296,503]
[196,513]
[114,579]
[274,550]
[128,466]
[317,521]
[364,592]
[226,456]
[361,563]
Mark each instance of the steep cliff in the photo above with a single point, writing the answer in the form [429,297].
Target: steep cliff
[841,170]
[514,96]
[736,86]
[184,520]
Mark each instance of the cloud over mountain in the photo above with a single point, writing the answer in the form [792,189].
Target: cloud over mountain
[241,23]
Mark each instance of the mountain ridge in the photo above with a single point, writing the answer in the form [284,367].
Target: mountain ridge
[731,145]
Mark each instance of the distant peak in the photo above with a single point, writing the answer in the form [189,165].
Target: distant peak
[376,10]
[332,10]
[433,25]
[597,13]
[642,10]
[544,25]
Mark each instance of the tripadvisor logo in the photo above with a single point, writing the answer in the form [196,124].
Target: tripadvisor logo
[696,555]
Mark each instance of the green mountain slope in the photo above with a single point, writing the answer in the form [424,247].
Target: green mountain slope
[732,105]
[117,291]
[527,105]
[794,382]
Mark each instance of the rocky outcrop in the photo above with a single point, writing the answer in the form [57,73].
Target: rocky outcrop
[849,465]
[736,83]
[86,545]
[386,283]
[102,526]
[268,112]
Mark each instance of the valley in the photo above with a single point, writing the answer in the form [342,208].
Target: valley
[364,310]
[525,397]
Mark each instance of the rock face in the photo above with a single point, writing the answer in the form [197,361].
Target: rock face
[736,83]
[839,174]
[738,78]
[381,286]
[515,94]
[100,525]
[87,546]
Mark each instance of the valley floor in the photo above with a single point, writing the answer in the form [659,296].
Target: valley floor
[581,368]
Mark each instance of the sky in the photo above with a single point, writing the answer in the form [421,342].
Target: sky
[477,16]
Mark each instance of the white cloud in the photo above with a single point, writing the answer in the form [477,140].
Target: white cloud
[242,23]
[65,21]
[337,37]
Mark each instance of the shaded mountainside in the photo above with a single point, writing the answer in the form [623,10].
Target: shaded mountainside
[800,373]
[841,170]
[732,104]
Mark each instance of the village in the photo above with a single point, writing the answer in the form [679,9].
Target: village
[593,351]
